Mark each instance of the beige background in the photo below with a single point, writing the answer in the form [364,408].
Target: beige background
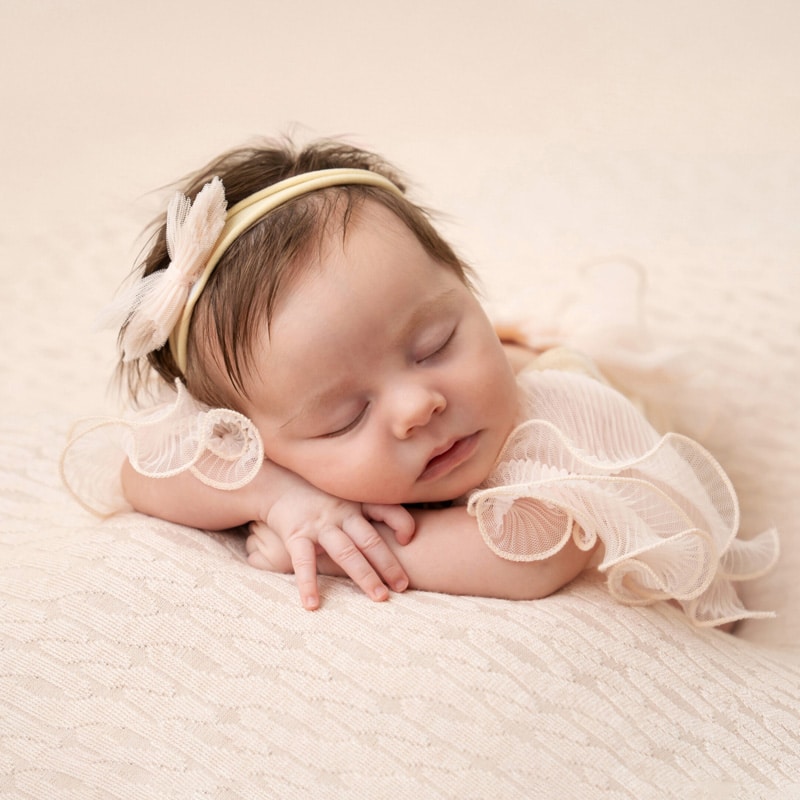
[142,657]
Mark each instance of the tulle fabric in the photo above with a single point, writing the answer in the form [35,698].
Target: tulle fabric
[152,306]
[220,447]
[586,465]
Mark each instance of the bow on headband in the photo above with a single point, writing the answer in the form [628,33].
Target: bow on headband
[154,304]
[159,306]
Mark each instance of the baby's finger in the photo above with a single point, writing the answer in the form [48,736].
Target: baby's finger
[257,559]
[266,550]
[398,518]
[251,544]
[346,553]
[304,562]
[376,551]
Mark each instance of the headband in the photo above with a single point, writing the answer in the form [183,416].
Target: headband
[160,305]
[246,213]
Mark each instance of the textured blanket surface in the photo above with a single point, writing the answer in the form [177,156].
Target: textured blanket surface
[140,658]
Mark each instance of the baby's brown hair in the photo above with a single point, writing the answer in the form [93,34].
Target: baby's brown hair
[240,296]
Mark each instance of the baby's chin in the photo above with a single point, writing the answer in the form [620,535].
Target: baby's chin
[429,500]
[455,495]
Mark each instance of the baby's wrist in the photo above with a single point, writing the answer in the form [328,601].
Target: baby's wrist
[270,485]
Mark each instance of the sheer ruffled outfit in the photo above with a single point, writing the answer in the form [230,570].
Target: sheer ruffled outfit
[586,465]
[220,447]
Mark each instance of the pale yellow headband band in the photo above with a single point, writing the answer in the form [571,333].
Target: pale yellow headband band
[246,213]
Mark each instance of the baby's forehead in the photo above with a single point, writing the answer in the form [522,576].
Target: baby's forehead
[366,213]
[342,223]
[392,227]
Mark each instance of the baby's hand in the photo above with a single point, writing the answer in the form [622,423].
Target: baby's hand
[265,549]
[305,522]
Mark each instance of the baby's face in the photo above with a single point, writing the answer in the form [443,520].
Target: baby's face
[382,380]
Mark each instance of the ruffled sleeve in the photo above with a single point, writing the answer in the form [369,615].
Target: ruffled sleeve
[587,465]
[220,447]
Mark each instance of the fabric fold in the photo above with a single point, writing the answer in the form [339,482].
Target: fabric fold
[587,465]
[220,447]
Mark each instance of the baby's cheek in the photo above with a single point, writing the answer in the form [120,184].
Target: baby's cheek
[489,381]
[350,473]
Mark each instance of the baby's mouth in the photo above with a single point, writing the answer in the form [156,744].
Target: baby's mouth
[451,456]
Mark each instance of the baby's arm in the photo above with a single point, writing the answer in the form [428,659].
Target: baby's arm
[307,522]
[448,555]
[452,557]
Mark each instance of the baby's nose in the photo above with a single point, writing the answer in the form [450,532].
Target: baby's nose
[414,408]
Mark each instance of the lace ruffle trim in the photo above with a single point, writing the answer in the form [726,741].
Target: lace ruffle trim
[220,447]
[663,508]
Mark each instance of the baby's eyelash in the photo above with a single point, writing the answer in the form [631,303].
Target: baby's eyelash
[346,428]
[441,348]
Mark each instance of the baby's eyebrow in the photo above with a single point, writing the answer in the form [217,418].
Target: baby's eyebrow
[429,309]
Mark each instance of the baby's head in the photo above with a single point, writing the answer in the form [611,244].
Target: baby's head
[346,328]
[264,262]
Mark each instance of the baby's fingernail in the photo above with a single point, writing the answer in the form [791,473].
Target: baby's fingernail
[380,593]
[311,603]
[401,585]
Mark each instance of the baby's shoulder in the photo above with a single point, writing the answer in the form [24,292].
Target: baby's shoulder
[563,387]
